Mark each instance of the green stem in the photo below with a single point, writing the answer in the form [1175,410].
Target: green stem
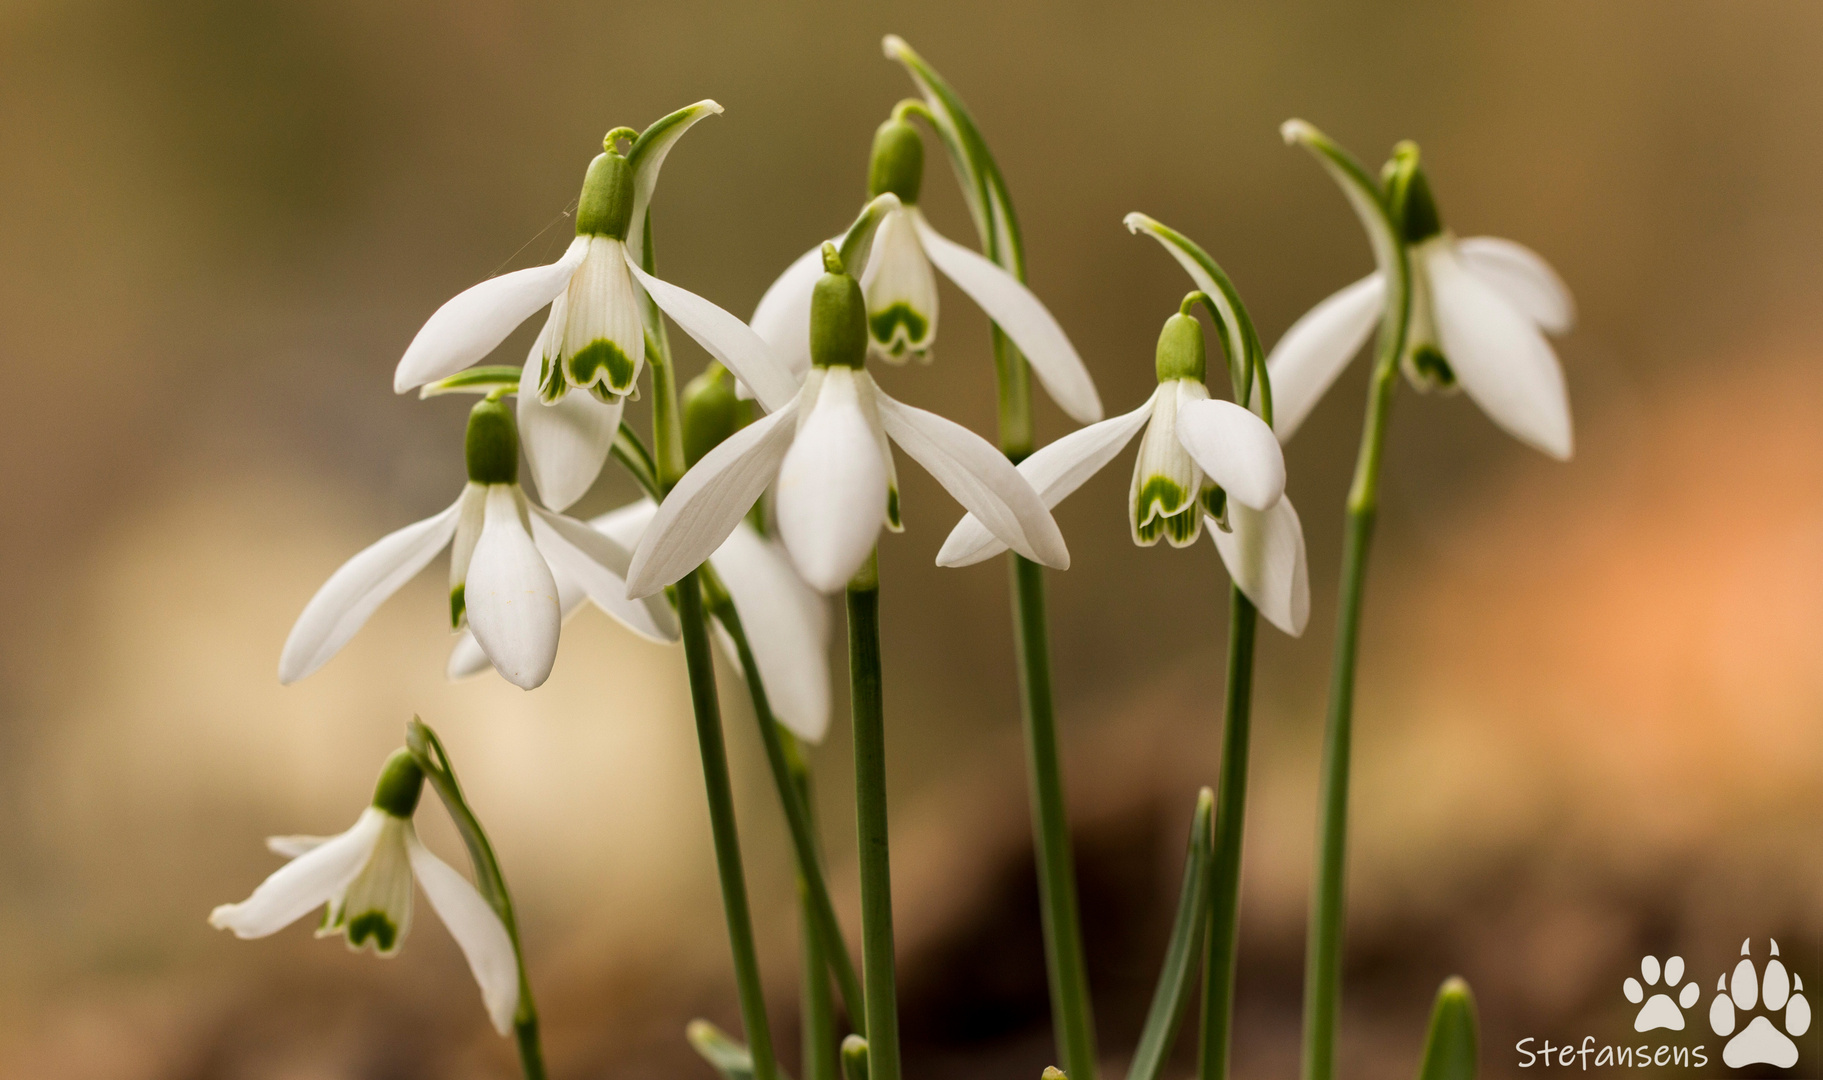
[785,769]
[1230,828]
[867,706]
[818,1026]
[1323,951]
[721,819]
[1065,965]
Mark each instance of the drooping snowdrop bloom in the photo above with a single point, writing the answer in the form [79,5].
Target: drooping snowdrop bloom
[594,339]
[501,583]
[363,878]
[827,447]
[1199,458]
[901,291]
[1480,310]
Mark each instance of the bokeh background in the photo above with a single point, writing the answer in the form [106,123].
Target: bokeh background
[1591,709]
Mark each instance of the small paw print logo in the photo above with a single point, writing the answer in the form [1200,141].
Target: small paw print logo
[1660,1011]
[1760,1042]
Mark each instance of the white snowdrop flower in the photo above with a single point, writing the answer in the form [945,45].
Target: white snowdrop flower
[901,291]
[363,880]
[594,338]
[1480,310]
[503,551]
[827,446]
[786,621]
[1198,458]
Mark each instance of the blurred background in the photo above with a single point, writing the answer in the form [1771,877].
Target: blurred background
[1590,703]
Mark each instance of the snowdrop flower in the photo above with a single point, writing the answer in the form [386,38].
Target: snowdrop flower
[501,583]
[1198,458]
[827,447]
[1480,310]
[364,879]
[902,292]
[594,339]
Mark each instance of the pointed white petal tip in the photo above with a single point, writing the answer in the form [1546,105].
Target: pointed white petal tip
[1296,131]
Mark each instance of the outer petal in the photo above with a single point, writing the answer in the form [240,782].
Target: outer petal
[473,323]
[980,478]
[352,593]
[727,338]
[709,502]
[512,597]
[1265,557]
[1234,448]
[1523,277]
[599,565]
[476,928]
[1023,317]
[1055,472]
[782,319]
[647,156]
[303,884]
[1308,359]
[627,524]
[1499,356]
[566,442]
[787,625]
[832,487]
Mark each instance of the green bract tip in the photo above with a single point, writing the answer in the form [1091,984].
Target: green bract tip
[492,443]
[401,782]
[1408,195]
[854,1058]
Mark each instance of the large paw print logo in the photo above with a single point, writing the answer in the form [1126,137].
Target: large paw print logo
[1659,1011]
[1760,1042]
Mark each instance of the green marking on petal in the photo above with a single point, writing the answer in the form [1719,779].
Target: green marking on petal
[1215,504]
[886,327]
[1164,508]
[373,925]
[1430,369]
[458,606]
[598,360]
[893,521]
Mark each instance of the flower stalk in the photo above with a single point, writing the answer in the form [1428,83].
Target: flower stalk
[867,705]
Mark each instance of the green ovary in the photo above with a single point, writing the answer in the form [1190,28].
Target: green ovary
[1162,508]
[886,326]
[374,925]
[585,367]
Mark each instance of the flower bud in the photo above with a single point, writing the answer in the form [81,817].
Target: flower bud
[492,444]
[1408,195]
[1180,349]
[712,411]
[401,782]
[898,162]
[838,317]
[606,205]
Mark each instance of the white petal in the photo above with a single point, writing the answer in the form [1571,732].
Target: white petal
[980,478]
[1265,557]
[782,318]
[832,486]
[1054,472]
[353,592]
[1523,277]
[596,336]
[566,442]
[648,154]
[473,323]
[787,627]
[599,565]
[1023,317]
[1499,356]
[472,516]
[709,502]
[512,598]
[899,283]
[626,524]
[1234,448]
[303,884]
[466,659]
[726,338]
[291,847]
[476,928]
[1308,359]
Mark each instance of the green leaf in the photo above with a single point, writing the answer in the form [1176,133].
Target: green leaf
[476,380]
[854,1058]
[858,242]
[1450,1047]
[1178,972]
[648,155]
[722,1051]
[428,751]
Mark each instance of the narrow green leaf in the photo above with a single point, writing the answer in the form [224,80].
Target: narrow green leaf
[854,1058]
[1450,1047]
[1357,184]
[858,242]
[428,750]
[476,380]
[724,1053]
[1178,973]
[648,154]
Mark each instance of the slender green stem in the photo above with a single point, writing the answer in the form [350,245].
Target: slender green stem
[1323,951]
[817,1029]
[1230,828]
[1159,1034]
[721,819]
[1065,965]
[868,709]
[785,769]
